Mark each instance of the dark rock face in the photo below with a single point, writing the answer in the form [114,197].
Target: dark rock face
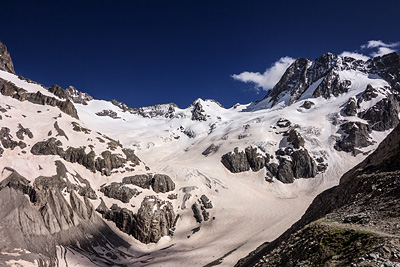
[235,161]
[357,137]
[283,123]
[295,139]
[160,183]
[130,156]
[256,161]
[102,208]
[206,202]
[369,94]
[70,93]
[198,113]
[384,115]
[78,128]
[108,113]
[141,180]
[6,63]
[351,108]
[154,219]
[387,67]
[285,171]
[163,110]
[120,192]
[9,89]
[299,165]
[197,213]
[23,131]
[242,161]
[303,165]
[294,79]
[331,85]
[48,147]
[7,140]
[77,96]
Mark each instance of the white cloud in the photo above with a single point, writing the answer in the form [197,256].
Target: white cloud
[382,51]
[378,43]
[269,78]
[354,55]
[381,47]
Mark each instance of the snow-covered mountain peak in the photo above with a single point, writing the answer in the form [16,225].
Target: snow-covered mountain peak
[325,77]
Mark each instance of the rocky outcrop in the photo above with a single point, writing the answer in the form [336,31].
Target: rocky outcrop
[295,139]
[244,160]
[37,218]
[255,160]
[293,164]
[198,113]
[331,85]
[141,180]
[293,80]
[109,113]
[197,213]
[77,96]
[303,165]
[210,150]
[384,115]
[387,67]
[119,191]
[357,136]
[206,202]
[9,89]
[162,110]
[23,131]
[308,104]
[6,63]
[103,164]
[7,141]
[71,93]
[130,156]
[369,94]
[235,161]
[351,108]
[160,183]
[154,219]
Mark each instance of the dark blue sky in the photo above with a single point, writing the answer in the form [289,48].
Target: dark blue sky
[150,52]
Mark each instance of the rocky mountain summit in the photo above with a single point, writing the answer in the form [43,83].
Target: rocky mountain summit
[96,183]
[6,63]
